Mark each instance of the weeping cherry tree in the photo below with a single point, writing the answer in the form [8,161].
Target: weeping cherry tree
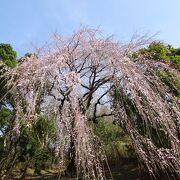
[71,77]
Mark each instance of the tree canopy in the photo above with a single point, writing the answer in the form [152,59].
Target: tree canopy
[8,55]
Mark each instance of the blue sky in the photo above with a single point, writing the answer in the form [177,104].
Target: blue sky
[23,22]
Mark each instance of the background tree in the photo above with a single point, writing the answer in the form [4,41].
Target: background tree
[7,61]
[8,55]
[160,51]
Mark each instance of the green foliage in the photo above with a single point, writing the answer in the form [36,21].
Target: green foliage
[108,132]
[160,51]
[6,117]
[44,129]
[33,142]
[32,148]
[172,81]
[8,55]
[115,142]
[156,50]
[175,59]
